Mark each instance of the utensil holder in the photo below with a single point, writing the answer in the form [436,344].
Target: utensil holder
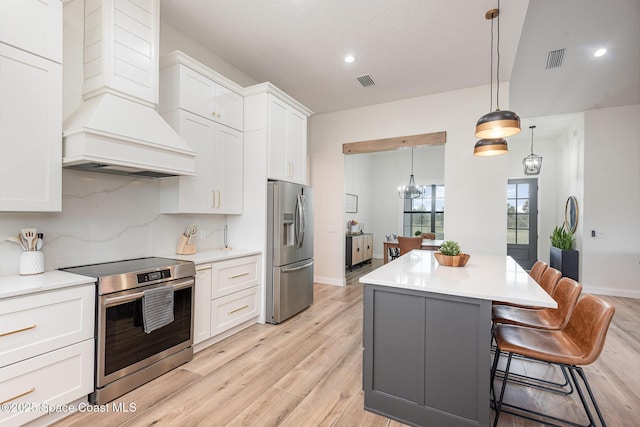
[31,262]
[184,248]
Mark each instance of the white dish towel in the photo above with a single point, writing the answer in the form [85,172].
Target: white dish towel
[157,308]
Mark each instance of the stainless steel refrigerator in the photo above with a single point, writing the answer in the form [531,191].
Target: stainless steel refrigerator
[289,250]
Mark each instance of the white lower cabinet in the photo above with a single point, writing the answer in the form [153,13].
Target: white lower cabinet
[42,384]
[46,351]
[227,295]
[234,309]
[202,307]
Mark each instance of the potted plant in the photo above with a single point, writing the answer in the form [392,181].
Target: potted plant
[450,255]
[418,233]
[562,256]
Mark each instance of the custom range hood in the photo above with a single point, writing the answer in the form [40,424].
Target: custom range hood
[117,128]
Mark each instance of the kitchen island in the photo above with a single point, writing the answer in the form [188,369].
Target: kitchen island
[427,336]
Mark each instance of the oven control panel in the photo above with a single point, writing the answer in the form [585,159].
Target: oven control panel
[154,275]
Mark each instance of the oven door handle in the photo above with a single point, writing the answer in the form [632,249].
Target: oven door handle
[108,302]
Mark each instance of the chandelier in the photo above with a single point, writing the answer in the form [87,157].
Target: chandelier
[410,191]
[532,163]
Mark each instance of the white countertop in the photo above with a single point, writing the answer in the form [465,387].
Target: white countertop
[214,255]
[15,285]
[488,277]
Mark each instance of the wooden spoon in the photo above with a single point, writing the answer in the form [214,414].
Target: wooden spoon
[30,235]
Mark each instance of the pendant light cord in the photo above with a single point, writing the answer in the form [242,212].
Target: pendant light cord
[532,128]
[491,72]
[498,63]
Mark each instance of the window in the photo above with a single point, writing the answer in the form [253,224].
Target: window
[518,213]
[425,214]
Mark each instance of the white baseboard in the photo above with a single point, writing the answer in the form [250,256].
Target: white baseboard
[330,280]
[613,292]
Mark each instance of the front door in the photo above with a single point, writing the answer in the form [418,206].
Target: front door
[522,221]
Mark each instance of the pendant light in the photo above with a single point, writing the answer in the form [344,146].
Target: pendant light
[496,124]
[410,191]
[532,163]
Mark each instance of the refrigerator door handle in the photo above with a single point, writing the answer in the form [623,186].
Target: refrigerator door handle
[299,224]
[302,267]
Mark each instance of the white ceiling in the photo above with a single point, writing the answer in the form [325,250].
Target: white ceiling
[420,47]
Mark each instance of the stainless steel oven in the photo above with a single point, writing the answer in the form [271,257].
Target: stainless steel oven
[126,355]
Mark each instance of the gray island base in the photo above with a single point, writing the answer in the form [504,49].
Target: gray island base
[427,336]
[426,357]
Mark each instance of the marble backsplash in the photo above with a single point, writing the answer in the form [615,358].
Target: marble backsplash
[106,218]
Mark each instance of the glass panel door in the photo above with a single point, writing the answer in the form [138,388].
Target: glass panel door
[522,221]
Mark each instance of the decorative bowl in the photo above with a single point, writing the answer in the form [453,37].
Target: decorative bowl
[452,260]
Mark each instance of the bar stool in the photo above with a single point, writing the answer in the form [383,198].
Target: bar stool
[548,281]
[407,244]
[538,268]
[566,294]
[579,343]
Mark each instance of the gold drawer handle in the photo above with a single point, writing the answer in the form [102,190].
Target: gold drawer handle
[239,309]
[238,275]
[4,334]
[18,396]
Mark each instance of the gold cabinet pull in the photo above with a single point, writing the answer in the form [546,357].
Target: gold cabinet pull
[238,275]
[238,309]
[31,390]
[4,334]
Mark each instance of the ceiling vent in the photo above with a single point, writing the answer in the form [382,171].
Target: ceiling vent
[554,59]
[366,80]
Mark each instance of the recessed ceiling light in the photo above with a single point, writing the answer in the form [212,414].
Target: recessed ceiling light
[349,59]
[600,52]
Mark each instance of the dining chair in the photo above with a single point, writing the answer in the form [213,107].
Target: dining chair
[407,244]
[393,252]
[578,344]
[429,236]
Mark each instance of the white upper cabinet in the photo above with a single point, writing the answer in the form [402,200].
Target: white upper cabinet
[283,121]
[187,84]
[30,105]
[208,115]
[217,186]
[34,26]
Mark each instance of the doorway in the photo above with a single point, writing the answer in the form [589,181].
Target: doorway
[522,221]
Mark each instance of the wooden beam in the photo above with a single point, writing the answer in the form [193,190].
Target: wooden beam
[388,144]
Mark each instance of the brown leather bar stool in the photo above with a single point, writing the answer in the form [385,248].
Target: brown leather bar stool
[566,294]
[548,281]
[578,344]
[538,268]
[407,244]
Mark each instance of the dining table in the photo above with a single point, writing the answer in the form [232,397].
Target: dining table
[427,244]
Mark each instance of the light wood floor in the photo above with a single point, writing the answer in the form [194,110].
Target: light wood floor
[307,372]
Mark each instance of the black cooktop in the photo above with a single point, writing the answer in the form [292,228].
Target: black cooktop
[114,268]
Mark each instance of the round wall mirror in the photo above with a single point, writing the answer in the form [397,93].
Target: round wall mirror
[571,214]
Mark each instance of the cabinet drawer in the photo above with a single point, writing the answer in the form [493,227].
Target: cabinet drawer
[232,310]
[54,378]
[234,275]
[34,324]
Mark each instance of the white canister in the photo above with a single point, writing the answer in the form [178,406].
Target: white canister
[31,262]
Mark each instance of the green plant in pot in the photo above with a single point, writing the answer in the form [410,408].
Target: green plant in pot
[561,254]
[561,238]
[418,233]
[450,255]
